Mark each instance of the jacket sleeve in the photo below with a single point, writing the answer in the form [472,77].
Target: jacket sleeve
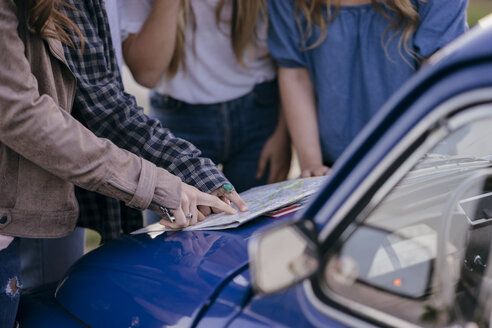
[34,126]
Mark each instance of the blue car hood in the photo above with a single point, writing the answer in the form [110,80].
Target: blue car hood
[148,281]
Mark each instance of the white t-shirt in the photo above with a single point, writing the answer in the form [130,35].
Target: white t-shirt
[5,241]
[213,74]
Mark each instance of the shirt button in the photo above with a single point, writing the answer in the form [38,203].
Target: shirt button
[3,219]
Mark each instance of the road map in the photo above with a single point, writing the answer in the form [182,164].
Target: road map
[260,200]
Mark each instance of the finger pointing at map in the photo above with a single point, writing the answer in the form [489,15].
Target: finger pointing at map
[229,195]
[261,200]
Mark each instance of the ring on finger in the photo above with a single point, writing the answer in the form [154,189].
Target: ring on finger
[227,188]
[189,216]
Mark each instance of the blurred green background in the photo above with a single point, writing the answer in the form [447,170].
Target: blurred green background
[476,10]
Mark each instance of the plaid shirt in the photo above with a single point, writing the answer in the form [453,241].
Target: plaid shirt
[102,105]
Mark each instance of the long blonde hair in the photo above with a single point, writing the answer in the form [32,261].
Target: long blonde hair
[406,19]
[245,15]
[185,14]
[45,18]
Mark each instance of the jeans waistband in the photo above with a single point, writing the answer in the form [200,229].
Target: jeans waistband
[158,98]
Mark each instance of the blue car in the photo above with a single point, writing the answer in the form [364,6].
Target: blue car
[400,234]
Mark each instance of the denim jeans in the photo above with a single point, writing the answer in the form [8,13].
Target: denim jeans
[47,260]
[10,283]
[231,133]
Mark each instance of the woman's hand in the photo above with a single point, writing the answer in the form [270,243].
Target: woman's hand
[227,196]
[191,199]
[277,153]
[314,171]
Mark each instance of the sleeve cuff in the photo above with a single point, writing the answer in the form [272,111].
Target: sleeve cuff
[289,63]
[167,191]
[145,187]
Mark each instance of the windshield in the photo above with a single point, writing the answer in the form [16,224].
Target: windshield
[421,255]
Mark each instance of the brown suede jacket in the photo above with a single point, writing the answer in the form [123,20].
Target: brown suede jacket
[44,150]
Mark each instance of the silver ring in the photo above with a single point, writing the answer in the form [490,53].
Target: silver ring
[189,216]
[166,214]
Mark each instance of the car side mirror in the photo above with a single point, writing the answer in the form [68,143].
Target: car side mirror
[283,256]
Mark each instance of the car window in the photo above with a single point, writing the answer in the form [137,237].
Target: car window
[421,256]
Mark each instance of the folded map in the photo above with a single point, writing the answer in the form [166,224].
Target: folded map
[260,200]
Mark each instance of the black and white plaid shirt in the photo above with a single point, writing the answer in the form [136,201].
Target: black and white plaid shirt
[102,105]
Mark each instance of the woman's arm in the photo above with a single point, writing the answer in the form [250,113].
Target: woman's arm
[296,92]
[35,127]
[149,52]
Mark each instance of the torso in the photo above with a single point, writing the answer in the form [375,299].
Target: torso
[356,83]
[212,72]
[358,65]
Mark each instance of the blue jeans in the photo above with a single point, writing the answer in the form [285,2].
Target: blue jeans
[10,283]
[47,260]
[231,133]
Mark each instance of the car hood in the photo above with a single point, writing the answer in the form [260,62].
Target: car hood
[148,280]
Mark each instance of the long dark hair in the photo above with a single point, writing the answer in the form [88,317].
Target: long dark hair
[46,19]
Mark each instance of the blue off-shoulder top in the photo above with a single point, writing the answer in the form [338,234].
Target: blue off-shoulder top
[359,64]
